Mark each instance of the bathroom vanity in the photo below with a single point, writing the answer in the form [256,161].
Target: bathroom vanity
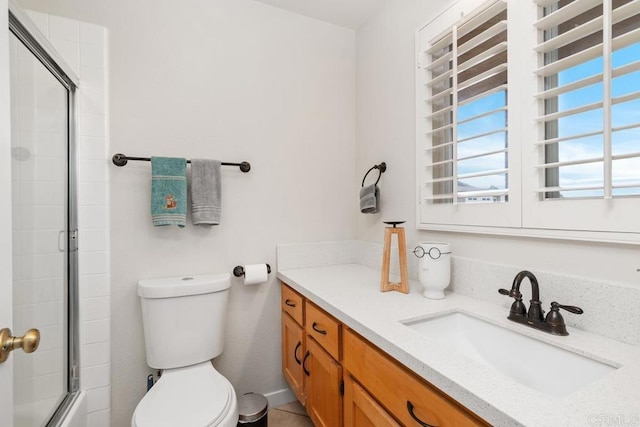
[340,369]
[354,357]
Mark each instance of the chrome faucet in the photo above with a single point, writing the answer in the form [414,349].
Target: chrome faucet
[553,323]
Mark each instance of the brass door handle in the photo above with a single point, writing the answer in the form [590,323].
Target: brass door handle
[28,342]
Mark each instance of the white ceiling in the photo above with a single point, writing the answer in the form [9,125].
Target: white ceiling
[346,13]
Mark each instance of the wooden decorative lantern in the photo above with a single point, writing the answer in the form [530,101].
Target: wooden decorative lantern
[385,284]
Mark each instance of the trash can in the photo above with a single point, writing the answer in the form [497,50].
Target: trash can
[252,410]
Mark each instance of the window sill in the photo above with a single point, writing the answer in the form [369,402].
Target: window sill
[583,236]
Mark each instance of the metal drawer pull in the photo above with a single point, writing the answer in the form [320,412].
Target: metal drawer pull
[320,331]
[307,354]
[289,303]
[295,353]
[410,409]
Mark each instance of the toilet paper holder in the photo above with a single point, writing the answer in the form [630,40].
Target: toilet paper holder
[238,270]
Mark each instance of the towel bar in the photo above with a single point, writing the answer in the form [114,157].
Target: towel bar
[120,159]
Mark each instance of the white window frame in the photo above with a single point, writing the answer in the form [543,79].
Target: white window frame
[615,220]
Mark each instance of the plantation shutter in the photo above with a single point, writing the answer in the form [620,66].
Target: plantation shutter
[589,56]
[466,133]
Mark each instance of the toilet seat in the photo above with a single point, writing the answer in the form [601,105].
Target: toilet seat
[194,396]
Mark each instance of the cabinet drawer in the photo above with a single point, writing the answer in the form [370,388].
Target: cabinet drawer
[323,328]
[292,304]
[400,391]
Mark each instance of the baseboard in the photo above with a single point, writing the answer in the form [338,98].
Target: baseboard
[280,397]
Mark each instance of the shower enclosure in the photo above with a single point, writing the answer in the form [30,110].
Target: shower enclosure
[44,226]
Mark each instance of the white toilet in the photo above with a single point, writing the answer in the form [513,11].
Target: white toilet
[184,323]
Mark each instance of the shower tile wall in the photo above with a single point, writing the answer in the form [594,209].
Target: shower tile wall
[84,47]
[38,114]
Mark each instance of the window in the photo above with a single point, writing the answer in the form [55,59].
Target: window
[591,99]
[589,114]
[463,136]
[468,119]
[533,122]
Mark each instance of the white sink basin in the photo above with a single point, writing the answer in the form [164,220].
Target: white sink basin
[535,364]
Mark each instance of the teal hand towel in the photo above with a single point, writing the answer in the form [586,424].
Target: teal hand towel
[169,191]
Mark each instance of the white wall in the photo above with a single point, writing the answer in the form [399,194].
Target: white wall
[234,80]
[386,132]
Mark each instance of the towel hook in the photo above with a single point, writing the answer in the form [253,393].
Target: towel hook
[382,167]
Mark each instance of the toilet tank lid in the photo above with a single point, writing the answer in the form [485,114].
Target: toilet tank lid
[167,287]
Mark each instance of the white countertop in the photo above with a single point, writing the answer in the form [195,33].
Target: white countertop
[350,292]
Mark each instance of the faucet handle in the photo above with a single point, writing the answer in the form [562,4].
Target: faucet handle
[511,293]
[570,308]
[555,321]
[518,309]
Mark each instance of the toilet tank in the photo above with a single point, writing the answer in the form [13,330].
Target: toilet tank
[184,318]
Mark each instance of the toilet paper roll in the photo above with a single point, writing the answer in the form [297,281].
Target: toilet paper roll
[255,274]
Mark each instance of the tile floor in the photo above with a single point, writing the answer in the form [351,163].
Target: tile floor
[289,415]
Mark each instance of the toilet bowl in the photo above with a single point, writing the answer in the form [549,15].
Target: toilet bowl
[196,396]
[184,320]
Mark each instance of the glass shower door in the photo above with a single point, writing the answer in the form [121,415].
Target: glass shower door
[39,137]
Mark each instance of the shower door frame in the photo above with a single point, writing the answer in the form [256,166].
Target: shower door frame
[24,29]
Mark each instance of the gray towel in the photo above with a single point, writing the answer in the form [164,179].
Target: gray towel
[370,199]
[206,192]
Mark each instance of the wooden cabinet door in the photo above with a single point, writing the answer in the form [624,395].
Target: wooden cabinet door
[293,350]
[323,388]
[361,410]
[409,398]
